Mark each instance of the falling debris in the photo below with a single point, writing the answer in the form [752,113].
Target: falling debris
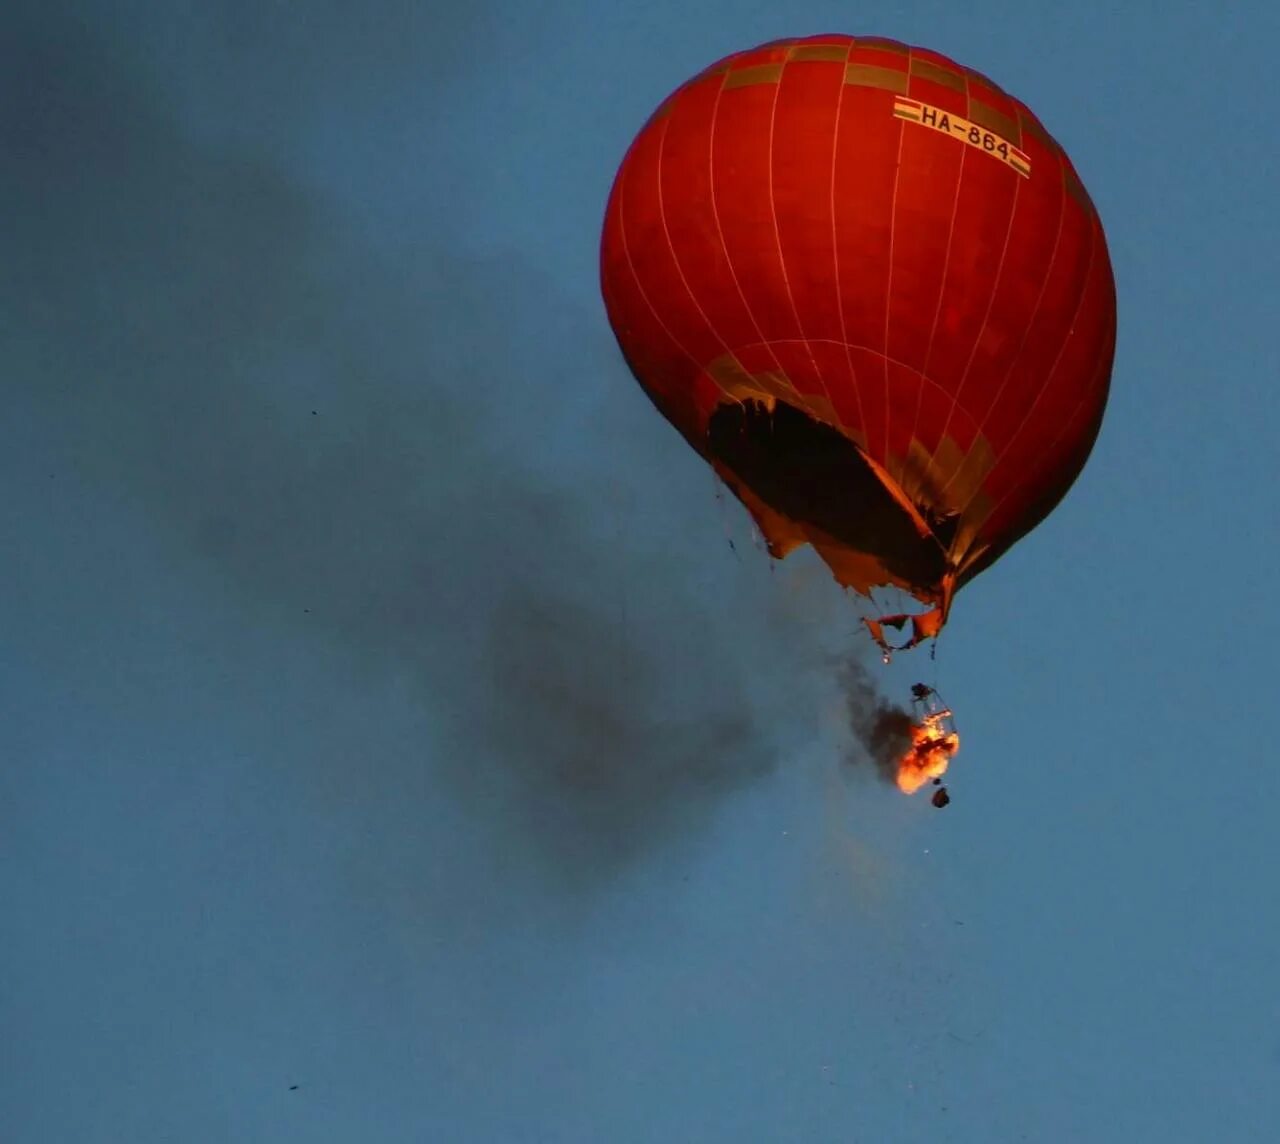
[933,742]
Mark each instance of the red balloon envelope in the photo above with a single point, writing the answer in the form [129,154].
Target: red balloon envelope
[867,285]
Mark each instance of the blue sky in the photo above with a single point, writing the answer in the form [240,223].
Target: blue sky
[384,712]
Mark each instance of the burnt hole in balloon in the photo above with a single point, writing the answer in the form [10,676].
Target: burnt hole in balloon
[812,474]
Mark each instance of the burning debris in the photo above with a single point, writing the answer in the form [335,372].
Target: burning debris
[933,741]
[909,748]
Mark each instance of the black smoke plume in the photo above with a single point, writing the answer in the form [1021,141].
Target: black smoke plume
[882,729]
[431,459]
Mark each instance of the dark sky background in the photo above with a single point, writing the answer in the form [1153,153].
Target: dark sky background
[384,711]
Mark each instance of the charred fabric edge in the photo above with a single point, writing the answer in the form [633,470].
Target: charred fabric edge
[813,474]
[924,626]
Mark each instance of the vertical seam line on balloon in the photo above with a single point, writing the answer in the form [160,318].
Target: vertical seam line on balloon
[1026,333]
[635,274]
[888,290]
[662,214]
[973,353]
[777,236]
[835,252]
[1067,423]
[982,329]
[1084,293]
[715,214]
[1061,352]
[942,293]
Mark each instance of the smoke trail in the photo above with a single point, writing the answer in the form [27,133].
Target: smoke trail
[879,727]
[434,461]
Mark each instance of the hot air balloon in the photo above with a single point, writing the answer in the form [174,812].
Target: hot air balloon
[869,288]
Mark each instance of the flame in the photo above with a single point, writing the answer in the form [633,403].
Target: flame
[932,745]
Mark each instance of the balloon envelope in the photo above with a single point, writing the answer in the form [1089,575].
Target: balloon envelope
[870,289]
